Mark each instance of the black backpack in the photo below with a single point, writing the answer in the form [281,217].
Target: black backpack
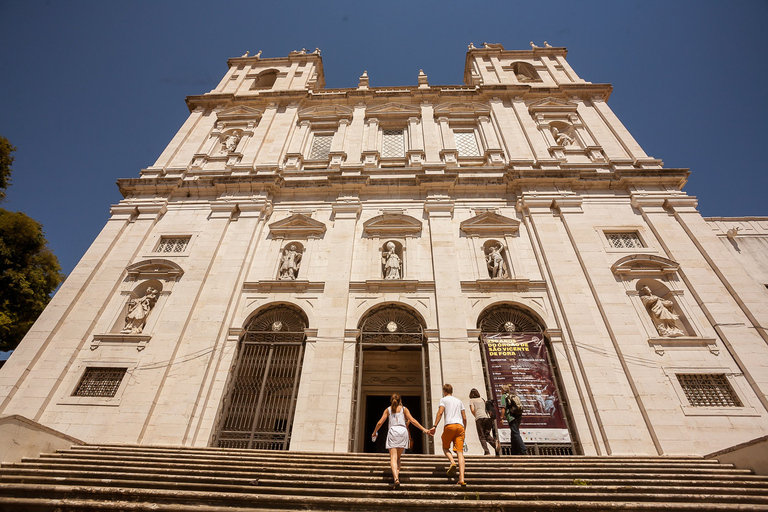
[490,409]
[514,405]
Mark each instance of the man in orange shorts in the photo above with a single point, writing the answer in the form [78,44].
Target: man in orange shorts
[455,426]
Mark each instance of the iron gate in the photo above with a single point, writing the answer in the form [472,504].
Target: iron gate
[261,402]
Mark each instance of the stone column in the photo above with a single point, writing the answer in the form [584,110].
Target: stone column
[325,393]
[449,154]
[337,155]
[294,158]
[371,144]
[493,153]
[457,363]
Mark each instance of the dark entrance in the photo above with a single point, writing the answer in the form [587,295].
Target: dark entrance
[374,407]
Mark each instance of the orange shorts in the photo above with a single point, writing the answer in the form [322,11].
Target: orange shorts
[453,432]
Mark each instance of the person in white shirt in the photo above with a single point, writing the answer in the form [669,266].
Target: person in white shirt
[453,432]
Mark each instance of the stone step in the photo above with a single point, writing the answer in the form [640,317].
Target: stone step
[377,500]
[383,461]
[11,471]
[117,477]
[321,487]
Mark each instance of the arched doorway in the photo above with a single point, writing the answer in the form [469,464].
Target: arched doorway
[261,400]
[391,358]
[517,352]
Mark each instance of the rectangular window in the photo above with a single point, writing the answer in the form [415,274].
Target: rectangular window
[392,144]
[321,146]
[624,240]
[102,382]
[466,143]
[172,244]
[708,390]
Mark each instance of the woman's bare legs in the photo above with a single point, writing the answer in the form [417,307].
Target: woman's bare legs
[395,460]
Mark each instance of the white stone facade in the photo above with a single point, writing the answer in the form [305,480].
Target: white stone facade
[525,156]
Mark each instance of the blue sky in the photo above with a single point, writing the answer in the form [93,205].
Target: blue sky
[92,91]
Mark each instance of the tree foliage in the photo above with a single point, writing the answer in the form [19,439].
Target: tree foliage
[6,159]
[29,273]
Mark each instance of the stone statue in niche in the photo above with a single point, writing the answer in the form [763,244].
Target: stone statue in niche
[138,311]
[662,314]
[230,143]
[290,263]
[497,269]
[562,138]
[393,265]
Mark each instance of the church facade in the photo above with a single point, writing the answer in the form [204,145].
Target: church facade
[297,254]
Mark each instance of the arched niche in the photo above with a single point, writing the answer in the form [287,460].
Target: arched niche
[525,72]
[291,258]
[392,260]
[564,134]
[496,260]
[138,307]
[662,309]
[265,79]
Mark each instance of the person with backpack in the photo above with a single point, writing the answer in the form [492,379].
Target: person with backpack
[484,413]
[512,410]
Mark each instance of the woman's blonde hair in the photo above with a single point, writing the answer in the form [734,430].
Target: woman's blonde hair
[394,401]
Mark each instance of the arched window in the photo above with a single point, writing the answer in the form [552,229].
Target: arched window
[261,401]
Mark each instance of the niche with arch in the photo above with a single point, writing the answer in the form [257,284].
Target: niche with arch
[662,309]
[291,256]
[564,134]
[137,307]
[392,260]
[668,319]
[496,260]
[525,72]
[265,79]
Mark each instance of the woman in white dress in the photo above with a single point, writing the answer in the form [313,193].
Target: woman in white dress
[397,435]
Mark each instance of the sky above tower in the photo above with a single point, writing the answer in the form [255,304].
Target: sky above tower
[92,91]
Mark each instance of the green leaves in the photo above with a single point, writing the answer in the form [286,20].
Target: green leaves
[29,273]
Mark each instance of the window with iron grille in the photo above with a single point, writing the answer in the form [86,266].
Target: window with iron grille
[708,390]
[630,240]
[102,382]
[321,146]
[392,144]
[173,244]
[466,143]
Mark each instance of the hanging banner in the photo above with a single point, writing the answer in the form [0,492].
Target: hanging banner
[521,361]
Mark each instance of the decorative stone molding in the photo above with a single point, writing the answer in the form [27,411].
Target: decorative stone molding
[388,225]
[461,110]
[552,105]
[297,226]
[392,285]
[140,340]
[326,113]
[284,286]
[490,224]
[239,113]
[660,344]
[393,110]
[636,265]
[347,207]
[154,269]
[501,285]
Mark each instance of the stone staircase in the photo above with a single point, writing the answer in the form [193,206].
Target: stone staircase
[138,478]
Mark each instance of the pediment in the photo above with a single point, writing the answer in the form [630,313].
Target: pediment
[461,109]
[552,104]
[393,109]
[390,224]
[490,224]
[644,264]
[239,112]
[326,112]
[297,226]
[155,269]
